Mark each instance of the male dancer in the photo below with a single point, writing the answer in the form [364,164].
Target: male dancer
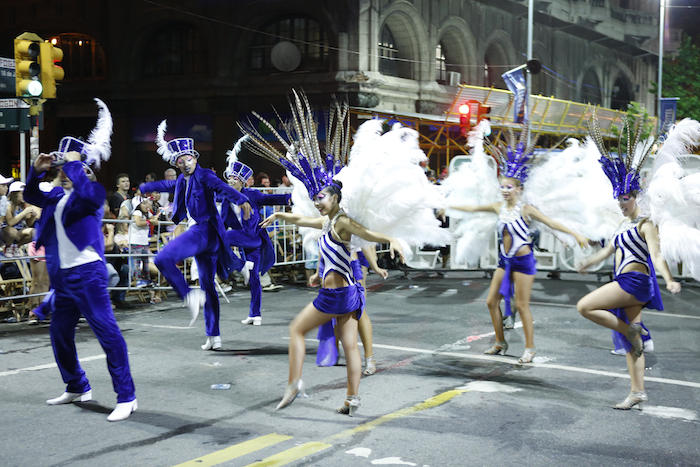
[70,229]
[194,191]
[248,236]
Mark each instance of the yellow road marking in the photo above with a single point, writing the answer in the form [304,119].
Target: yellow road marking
[237,450]
[426,404]
[290,455]
[307,449]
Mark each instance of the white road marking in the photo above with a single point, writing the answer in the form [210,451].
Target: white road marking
[669,412]
[488,386]
[163,326]
[550,366]
[359,452]
[391,461]
[47,366]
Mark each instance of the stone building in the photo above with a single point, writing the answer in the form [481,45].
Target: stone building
[205,64]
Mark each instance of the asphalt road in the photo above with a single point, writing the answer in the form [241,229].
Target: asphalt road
[435,401]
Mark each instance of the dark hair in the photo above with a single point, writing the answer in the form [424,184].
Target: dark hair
[259,178]
[334,188]
[121,175]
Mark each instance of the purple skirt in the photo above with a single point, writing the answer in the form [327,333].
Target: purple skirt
[644,288]
[342,300]
[525,264]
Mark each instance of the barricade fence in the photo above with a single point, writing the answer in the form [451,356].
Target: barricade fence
[287,241]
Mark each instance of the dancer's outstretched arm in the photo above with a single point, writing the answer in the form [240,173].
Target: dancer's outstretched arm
[597,257]
[483,208]
[347,225]
[292,218]
[651,235]
[531,211]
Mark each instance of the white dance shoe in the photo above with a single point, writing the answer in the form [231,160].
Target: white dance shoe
[254,320]
[195,301]
[123,410]
[68,397]
[247,267]
[212,343]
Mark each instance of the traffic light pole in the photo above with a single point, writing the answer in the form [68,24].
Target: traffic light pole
[22,157]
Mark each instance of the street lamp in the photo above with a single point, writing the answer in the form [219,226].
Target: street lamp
[662,20]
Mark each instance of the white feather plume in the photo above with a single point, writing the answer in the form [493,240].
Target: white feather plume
[673,197]
[570,188]
[302,204]
[232,155]
[473,183]
[99,146]
[160,141]
[386,190]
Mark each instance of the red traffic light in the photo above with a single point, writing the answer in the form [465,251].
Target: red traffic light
[464,109]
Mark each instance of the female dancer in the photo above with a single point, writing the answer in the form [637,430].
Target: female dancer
[339,296]
[618,304]
[516,263]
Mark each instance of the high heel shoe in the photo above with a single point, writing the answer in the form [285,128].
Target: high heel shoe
[634,334]
[498,347]
[370,366]
[528,355]
[350,406]
[291,393]
[632,399]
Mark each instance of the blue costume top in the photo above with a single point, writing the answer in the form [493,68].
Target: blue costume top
[82,216]
[201,188]
[251,234]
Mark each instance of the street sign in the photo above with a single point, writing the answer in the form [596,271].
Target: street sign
[14,115]
[7,76]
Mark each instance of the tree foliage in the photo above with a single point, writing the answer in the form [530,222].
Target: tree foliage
[681,78]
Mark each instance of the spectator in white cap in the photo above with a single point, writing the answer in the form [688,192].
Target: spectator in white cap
[20,215]
[4,203]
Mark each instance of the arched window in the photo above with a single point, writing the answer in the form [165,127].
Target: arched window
[590,88]
[83,57]
[495,64]
[621,94]
[174,49]
[440,64]
[388,53]
[309,48]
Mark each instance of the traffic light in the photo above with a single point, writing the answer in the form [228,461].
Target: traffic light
[484,112]
[27,67]
[50,72]
[464,119]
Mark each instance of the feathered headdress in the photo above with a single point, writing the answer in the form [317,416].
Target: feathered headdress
[235,168]
[622,169]
[514,157]
[171,150]
[97,148]
[303,157]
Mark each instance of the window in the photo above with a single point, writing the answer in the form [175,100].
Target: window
[440,64]
[388,53]
[303,32]
[174,49]
[83,57]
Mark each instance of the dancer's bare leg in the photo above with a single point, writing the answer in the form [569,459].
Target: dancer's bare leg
[493,301]
[523,289]
[347,331]
[308,319]
[595,305]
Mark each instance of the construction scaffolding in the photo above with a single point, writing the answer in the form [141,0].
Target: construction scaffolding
[441,140]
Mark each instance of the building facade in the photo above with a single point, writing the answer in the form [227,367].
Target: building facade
[206,64]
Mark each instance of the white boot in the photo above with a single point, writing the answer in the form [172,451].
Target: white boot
[212,343]
[122,411]
[68,397]
[254,320]
[247,267]
[195,300]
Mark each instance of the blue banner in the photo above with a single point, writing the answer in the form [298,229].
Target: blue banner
[515,80]
[668,113]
